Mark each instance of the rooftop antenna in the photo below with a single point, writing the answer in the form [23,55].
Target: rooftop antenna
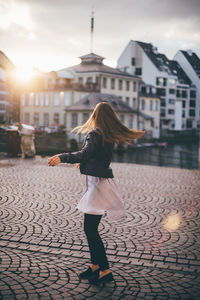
[92,29]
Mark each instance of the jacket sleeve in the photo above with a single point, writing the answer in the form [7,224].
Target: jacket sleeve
[86,152]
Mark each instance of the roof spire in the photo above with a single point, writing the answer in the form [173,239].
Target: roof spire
[92,29]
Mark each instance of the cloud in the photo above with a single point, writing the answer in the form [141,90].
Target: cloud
[57,32]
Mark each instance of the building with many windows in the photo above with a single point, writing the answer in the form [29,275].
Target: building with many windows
[9,106]
[175,89]
[79,113]
[149,106]
[46,103]
[190,63]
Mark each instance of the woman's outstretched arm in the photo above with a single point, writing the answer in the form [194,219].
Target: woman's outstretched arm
[88,149]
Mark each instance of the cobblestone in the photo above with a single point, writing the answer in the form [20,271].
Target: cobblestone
[43,247]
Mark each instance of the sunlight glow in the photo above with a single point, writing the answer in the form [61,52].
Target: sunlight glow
[25,74]
[172,222]
[13,13]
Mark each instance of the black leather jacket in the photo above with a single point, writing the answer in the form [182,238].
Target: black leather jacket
[94,157]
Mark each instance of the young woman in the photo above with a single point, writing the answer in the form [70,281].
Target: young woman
[102,194]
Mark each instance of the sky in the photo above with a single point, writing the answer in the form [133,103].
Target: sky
[52,34]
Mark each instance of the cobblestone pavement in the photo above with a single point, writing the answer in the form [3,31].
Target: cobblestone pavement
[153,252]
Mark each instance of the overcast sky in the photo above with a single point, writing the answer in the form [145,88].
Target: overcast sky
[52,34]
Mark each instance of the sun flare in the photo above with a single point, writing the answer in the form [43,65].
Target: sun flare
[172,222]
[25,74]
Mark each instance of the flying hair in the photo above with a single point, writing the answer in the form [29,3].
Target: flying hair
[105,119]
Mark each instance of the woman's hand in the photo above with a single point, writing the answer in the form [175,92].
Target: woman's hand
[78,166]
[54,160]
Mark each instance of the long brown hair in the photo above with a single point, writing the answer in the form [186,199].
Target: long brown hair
[105,119]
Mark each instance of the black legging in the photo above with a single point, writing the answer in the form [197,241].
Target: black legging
[97,250]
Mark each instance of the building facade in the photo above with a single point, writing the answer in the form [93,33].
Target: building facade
[45,104]
[9,104]
[149,108]
[79,113]
[173,85]
[190,63]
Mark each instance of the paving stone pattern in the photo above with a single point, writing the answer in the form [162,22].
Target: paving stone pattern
[43,247]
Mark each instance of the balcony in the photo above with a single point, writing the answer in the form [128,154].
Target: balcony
[88,87]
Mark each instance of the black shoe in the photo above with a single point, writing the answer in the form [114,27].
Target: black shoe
[89,273]
[105,278]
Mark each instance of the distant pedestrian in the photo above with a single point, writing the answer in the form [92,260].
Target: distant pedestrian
[102,193]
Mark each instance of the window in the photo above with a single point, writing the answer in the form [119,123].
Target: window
[85,117]
[22,99]
[178,94]
[184,94]
[172,91]
[192,103]
[157,105]
[65,119]
[56,99]
[192,113]
[192,94]
[46,100]
[2,106]
[134,86]
[161,92]
[80,80]
[89,80]
[163,102]
[56,118]
[138,71]
[130,121]
[74,120]
[26,100]
[171,111]
[171,101]
[27,117]
[189,123]
[183,113]
[171,81]
[143,104]
[36,99]
[127,85]
[104,82]
[127,100]
[41,99]
[46,119]
[162,113]
[67,98]
[183,104]
[31,98]
[133,61]
[36,119]
[134,103]
[151,105]
[161,81]
[120,84]
[121,117]
[112,83]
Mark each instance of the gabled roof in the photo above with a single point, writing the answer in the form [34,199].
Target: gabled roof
[94,63]
[159,60]
[182,77]
[194,60]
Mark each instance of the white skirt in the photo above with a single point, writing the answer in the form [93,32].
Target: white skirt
[102,195]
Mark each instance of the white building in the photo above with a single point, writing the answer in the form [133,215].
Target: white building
[173,85]
[190,63]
